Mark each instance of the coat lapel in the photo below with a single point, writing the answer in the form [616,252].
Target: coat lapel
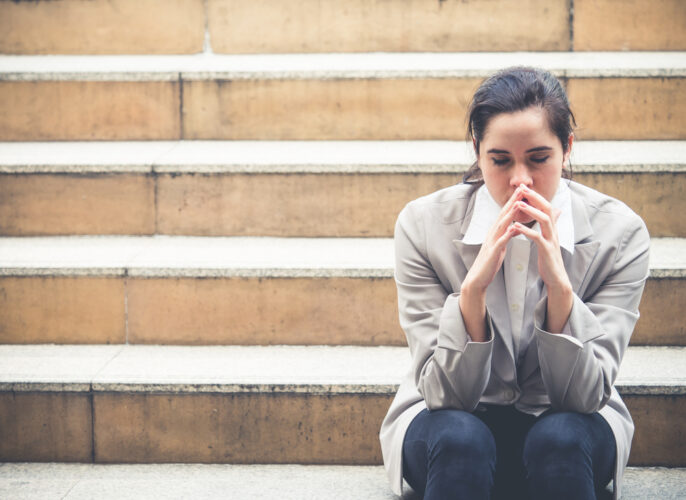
[496,299]
[585,248]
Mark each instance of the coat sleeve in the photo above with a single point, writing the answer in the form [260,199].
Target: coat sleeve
[450,370]
[580,368]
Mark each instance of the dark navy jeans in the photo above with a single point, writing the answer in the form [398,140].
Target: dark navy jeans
[502,453]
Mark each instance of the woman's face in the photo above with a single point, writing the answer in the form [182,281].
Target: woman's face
[519,148]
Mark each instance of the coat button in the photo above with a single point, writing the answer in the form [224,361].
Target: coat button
[508,394]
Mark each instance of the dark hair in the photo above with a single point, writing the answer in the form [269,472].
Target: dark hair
[515,89]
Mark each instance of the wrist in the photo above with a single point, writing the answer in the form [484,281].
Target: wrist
[473,293]
[562,291]
[473,308]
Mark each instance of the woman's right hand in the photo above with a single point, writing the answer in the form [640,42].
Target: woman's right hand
[485,267]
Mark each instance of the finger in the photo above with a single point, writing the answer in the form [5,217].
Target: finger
[535,236]
[517,195]
[501,242]
[556,214]
[505,219]
[536,200]
[547,225]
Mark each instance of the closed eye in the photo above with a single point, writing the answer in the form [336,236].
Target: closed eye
[500,161]
[540,159]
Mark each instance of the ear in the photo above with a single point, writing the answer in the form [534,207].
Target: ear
[565,158]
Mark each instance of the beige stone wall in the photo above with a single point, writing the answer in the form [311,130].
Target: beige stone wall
[102,27]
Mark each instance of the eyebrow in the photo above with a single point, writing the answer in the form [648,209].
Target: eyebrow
[532,150]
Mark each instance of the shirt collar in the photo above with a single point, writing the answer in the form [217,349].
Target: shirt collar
[486,211]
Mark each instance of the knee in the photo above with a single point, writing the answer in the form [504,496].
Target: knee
[463,436]
[555,439]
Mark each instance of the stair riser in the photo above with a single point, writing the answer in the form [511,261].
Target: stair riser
[305,205]
[247,428]
[629,25]
[89,110]
[396,25]
[660,435]
[151,27]
[46,426]
[363,109]
[112,27]
[77,204]
[245,311]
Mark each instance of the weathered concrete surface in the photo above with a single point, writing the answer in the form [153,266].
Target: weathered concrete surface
[113,27]
[305,205]
[320,96]
[243,204]
[660,438]
[662,308]
[629,108]
[49,204]
[364,109]
[30,481]
[238,428]
[268,26]
[45,426]
[420,65]
[329,188]
[258,404]
[45,309]
[89,110]
[263,311]
[194,290]
[629,25]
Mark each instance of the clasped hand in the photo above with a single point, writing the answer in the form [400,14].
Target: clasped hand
[550,265]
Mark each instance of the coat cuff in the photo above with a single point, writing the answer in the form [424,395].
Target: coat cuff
[452,332]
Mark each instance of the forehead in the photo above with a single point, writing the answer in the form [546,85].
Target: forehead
[521,127]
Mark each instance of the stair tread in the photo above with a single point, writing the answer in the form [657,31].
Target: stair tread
[266,369]
[199,256]
[206,481]
[311,156]
[341,65]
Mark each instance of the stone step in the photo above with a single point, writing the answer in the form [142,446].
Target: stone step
[615,95]
[349,189]
[285,404]
[36,481]
[268,26]
[249,291]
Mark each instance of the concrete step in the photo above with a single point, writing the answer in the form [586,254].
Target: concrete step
[285,404]
[349,189]
[32,481]
[255,291]
[375,96]
[268,26]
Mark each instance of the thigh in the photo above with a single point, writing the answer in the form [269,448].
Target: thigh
[583,442]
[448,445]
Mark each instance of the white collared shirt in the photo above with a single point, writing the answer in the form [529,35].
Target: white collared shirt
[518,271]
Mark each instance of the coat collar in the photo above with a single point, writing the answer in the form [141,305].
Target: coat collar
[486,211]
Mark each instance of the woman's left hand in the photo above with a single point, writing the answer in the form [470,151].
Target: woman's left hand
[550,265]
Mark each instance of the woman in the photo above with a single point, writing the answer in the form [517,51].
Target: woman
[518,291]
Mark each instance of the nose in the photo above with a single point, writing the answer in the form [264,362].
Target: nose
[520,175]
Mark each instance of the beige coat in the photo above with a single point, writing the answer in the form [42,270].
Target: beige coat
[608,270]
